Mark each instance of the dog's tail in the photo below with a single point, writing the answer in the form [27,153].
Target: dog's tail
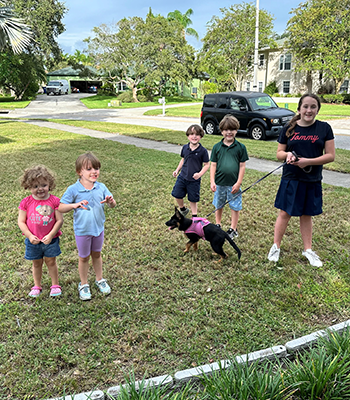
[233,244]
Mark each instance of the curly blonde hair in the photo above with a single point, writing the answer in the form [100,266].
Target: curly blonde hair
[35,174]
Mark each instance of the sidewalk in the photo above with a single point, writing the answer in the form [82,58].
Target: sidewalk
[330,177]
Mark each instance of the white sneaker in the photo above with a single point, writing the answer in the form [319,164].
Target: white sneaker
[274,253]
[313,258]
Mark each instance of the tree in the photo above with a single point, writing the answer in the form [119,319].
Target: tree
[13,29]
[20,73]
[319,36]
[45,19]
[228,46]
[185,21]
[142,53]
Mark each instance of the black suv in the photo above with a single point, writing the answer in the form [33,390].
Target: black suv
[258,115]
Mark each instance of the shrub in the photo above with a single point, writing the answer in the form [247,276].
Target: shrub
[126,97]
[332,98]
[107,89]
[271,88]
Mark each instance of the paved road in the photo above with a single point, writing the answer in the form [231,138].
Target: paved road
[69,107]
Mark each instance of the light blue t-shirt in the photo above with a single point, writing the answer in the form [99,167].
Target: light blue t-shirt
[90,221]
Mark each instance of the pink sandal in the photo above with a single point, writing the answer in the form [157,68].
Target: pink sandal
[55,290]
[35,291]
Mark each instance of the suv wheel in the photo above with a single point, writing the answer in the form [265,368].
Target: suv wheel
[210,128]
[257,132]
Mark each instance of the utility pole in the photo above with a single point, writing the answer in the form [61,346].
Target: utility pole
[256,54]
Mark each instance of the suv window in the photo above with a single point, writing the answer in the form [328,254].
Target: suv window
[209,101]
[237,104]
[222,102]
[260,103]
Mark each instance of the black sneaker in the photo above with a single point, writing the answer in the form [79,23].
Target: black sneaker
[232,233]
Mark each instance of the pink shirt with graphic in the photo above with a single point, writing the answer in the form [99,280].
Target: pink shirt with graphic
[40,215]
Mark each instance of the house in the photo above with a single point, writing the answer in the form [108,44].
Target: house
[76,82]
[276,64]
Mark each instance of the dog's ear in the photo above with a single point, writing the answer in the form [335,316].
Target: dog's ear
[178,214]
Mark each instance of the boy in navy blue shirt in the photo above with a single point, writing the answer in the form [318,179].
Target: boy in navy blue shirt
[194,164]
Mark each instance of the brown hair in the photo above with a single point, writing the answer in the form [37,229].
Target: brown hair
[35,174]
[195,129]
[85,160]
[229,122]
[293,121]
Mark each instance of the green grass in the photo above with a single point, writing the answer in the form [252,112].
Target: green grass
[10,104]
[101,101]
[261,149]
[327,111]
[161,316]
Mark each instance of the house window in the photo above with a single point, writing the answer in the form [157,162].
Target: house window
[285,62]
[344,88]
[286,87]
[121,86]
[261,60]
[247,87]
[260,87]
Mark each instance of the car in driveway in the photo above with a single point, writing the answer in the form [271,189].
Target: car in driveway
[258,114]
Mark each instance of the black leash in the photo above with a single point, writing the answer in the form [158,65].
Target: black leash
[259,180]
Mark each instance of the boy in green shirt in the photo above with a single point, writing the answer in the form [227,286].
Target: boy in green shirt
[227,168]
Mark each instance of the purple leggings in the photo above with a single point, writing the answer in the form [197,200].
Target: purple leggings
[87,244]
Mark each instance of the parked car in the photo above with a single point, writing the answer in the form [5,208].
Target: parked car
[92,89]
[259,116]
[57,87]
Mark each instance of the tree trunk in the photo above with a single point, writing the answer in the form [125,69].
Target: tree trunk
[309,82]
[134,94]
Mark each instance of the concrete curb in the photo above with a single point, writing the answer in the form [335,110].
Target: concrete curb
[181,378]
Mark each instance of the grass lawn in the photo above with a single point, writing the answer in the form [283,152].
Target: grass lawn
[327,111]
[101,101]
[259,149]
[10,104]
[167,311]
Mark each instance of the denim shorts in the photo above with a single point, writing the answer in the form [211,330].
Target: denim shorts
[41,250]
[183,187]
[223,194]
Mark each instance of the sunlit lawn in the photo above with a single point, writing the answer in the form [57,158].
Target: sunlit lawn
[167,311]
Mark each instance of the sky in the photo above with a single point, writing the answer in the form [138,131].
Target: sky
[84,15]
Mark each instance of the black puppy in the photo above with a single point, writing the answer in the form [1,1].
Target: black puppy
[197,228]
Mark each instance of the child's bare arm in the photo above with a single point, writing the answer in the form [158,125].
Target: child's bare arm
[212,176]
[64,208]
[58,224]
[178,169]
[199,174]
[22,223]
[238,184]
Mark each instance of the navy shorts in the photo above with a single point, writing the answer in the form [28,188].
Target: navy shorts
[298,198]
[41,250]
[183,187]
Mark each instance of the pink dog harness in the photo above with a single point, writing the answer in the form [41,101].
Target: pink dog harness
[197,226]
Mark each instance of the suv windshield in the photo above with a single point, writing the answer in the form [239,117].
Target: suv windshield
[53,84]
[261,103]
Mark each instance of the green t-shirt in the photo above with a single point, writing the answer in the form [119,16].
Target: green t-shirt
[227,159]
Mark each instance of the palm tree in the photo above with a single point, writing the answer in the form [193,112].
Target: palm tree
[184,20]
[13,30]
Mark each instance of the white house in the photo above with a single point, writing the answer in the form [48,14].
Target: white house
[277,65]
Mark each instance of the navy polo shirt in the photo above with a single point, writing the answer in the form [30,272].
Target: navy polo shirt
[193,160]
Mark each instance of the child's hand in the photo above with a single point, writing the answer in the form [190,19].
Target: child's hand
[109,200]
[34,240]
[175,174]
[196,176]
[235,188]
[213,187]
[81,204]
[47,239]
